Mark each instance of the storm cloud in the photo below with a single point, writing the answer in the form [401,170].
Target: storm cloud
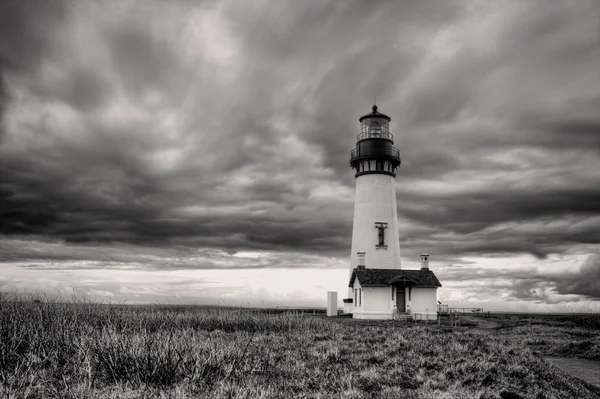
[585,282]
[159,129]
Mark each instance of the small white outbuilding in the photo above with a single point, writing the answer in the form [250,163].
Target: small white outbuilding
[332,309]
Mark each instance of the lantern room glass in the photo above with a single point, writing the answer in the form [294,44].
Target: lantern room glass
[375,128]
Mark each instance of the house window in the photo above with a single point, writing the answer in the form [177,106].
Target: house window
[355,300]
[381,236]
[393,293]
[360,297]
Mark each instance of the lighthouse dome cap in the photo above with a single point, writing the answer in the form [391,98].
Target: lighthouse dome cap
[374,114]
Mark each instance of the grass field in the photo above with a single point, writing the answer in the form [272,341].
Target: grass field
[86,350]
[557,336]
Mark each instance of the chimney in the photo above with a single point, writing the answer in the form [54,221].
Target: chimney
[424,261]
[361,260]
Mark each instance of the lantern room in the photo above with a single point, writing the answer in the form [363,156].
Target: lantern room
[374,152]
[375,125]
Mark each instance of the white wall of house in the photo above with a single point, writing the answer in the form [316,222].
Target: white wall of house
[376,304]
[379,299]
[424,303]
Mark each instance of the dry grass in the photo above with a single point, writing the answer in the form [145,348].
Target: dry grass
[86,350]
[557,336]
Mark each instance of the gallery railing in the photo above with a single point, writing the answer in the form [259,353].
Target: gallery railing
[375,152]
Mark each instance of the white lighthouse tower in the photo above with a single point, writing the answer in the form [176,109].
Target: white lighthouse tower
[375,226]
[378,288]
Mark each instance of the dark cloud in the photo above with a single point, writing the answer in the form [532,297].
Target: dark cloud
[539,222]
[146,61]
[471,211]
[84,89]
[538,291]
[547,284]
[585,283]
[188,125]
[26,30]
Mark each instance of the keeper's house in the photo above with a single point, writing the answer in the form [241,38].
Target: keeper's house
[394,293]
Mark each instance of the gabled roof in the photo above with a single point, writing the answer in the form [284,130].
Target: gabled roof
[423,278]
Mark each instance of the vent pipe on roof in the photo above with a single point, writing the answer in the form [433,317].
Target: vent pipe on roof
[424,261]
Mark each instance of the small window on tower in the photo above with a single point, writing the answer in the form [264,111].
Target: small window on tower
[381,226]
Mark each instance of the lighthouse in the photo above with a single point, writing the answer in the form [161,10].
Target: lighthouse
[375,226]
[378,287]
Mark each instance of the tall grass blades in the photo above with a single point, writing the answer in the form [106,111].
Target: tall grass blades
[81,349]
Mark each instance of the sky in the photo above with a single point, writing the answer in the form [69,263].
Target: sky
[198,151]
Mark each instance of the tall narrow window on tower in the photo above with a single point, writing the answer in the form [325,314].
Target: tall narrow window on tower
[381,226]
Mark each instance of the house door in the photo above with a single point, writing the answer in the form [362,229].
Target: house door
[400,300]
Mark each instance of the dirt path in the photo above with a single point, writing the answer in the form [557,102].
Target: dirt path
[587,370]
[483,326]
